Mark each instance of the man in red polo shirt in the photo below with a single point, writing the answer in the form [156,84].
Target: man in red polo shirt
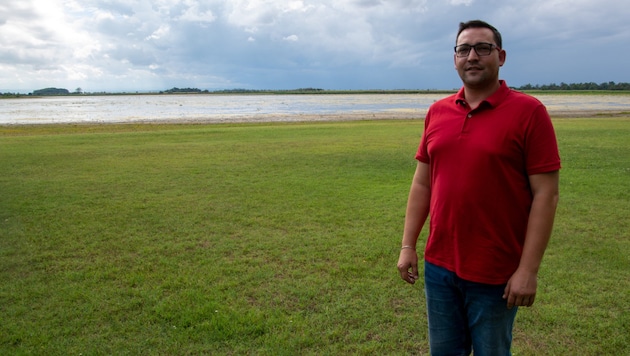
[487,176]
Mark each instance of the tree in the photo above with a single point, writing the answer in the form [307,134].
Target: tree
[51,91]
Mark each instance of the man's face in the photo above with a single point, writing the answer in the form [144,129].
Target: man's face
[477,71]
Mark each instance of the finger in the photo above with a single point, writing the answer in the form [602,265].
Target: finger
[506,291]
[511,301]
[531,301]
[404,273]
[411,278]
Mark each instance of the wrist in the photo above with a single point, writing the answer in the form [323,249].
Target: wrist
[408,247]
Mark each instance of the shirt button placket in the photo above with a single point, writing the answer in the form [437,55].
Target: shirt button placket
[465,123]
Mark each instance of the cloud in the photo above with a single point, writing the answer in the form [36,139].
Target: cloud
[195,14]
[349,44]
[159,33]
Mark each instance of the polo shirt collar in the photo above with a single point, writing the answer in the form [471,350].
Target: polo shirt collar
[493,100]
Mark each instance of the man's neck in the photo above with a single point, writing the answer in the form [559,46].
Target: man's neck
[474,96]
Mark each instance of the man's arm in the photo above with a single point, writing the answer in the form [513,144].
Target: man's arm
[415,217]
[521,288]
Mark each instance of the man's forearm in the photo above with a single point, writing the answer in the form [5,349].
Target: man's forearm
[541,218]
[417,206]
[415,216]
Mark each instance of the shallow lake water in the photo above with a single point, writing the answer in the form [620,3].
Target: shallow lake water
[239,108]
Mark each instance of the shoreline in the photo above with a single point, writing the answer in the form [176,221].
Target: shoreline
[419,115]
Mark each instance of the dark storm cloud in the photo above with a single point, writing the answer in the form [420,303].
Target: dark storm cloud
[333,44]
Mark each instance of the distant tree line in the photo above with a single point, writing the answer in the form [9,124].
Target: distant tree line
[553,86]
[44,92]
[10,95]
[577,86]
[590,86]
[184,90]
[252,91]
[51,91]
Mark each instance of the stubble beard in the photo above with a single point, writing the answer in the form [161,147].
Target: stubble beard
[477,79]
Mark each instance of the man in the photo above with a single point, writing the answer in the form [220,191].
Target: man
[487,175]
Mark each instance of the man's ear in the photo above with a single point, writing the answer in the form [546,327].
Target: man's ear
[502,57]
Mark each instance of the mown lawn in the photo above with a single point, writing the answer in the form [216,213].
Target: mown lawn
[272,239]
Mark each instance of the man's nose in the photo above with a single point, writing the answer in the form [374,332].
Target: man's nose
[472,55]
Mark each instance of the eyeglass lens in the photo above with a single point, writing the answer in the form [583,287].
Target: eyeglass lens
[482,49]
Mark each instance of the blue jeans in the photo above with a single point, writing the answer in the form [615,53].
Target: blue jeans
[466,316]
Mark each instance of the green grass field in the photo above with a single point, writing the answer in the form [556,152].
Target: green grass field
[273,239]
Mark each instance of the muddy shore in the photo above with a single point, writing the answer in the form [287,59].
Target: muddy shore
[391,115]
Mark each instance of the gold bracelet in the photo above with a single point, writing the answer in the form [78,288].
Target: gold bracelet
[409,247]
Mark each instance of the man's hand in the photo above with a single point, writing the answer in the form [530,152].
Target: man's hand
[521,289]
[408,265]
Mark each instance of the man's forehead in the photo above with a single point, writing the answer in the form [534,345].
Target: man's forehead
[476,33]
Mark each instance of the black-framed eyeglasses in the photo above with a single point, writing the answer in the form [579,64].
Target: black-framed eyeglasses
[482,49]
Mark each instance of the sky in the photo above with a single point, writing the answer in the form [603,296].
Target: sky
[143,45]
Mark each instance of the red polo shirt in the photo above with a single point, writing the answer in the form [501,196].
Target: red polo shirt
[480,161]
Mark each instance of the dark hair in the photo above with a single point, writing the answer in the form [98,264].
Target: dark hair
[480,24]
